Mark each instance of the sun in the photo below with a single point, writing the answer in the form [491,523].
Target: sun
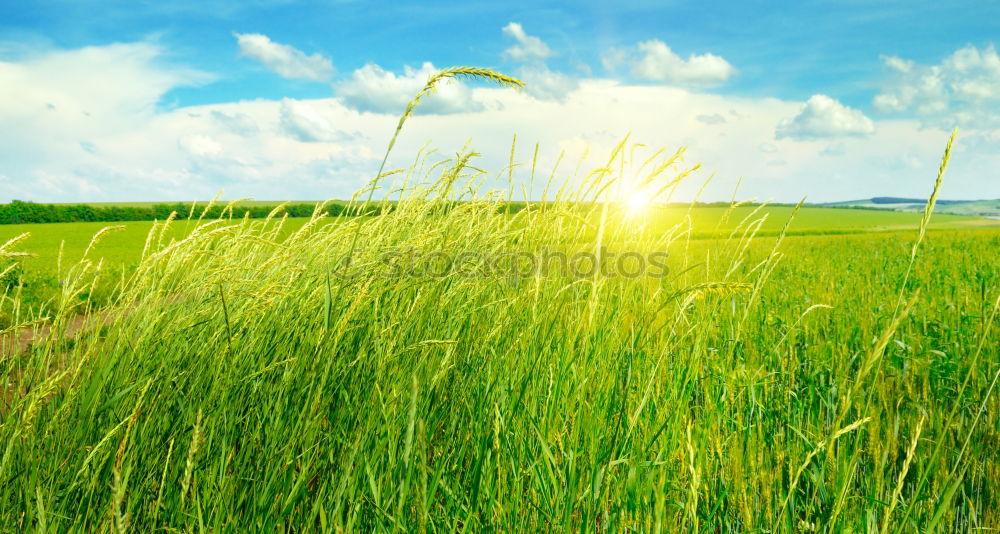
[636,204]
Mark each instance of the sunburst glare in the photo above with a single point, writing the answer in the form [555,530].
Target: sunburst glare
[637,204]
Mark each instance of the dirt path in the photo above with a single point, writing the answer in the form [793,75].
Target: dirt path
[19,340]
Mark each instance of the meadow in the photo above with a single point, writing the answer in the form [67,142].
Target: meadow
[237,379]
[54,247]
[123,248]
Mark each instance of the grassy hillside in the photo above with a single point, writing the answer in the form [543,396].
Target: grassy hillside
[956,207]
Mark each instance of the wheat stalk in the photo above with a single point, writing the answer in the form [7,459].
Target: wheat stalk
[460,72]
[467,73]
[196,437]
[902,476]
[100,235]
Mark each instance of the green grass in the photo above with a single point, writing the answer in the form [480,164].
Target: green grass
[244,389]
[123,248]
[119,251]
[237,381]
[55,247]
[809,220]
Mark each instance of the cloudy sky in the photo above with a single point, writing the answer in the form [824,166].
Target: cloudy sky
[117,100]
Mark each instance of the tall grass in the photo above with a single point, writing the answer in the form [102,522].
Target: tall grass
[249,381]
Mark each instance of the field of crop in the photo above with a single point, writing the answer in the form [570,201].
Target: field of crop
[583,366]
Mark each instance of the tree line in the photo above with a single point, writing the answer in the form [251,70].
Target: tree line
[21,212]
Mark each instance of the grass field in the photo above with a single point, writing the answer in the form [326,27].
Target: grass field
[745,391]
[782,374]
[124,247]
[57,246]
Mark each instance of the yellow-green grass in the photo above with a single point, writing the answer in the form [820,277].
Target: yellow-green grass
[238,381]
[245,388]
[768,384]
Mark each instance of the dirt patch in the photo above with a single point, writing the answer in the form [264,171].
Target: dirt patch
[20,339]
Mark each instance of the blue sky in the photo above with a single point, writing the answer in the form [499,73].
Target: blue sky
[138,100]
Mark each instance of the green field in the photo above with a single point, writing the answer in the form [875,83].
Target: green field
[768,383]
[119,248]
[57,246]
[123,248]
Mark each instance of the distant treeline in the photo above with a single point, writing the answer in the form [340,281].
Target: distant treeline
[20,212]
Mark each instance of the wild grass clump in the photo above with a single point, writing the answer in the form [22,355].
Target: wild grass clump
[247,379]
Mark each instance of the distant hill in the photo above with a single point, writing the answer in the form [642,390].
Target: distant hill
[921,201]
[988,208]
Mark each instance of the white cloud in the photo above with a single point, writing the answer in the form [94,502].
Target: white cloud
[67,135]
[61,85]
[528,47]
[200,145]
[372,88]
[238,123]
[307,123]
[287,61]
[304,123]
[540,81]
[316,148]
[654,60]
[613,58]
[54,108]
[713,118]
[546,84]
[823,117]
[898,64]
[963,89]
